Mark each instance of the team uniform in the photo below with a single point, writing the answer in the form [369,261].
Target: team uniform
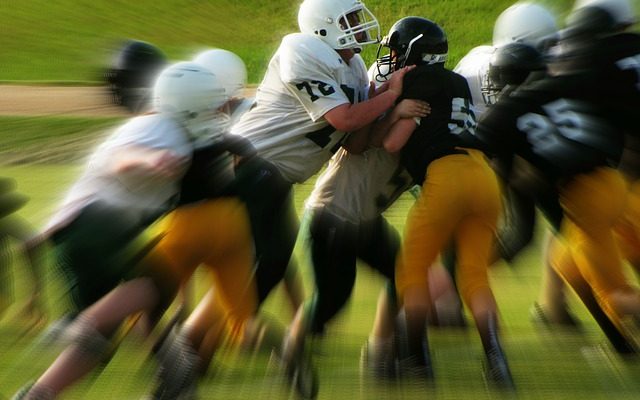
[305,79]
[211,228]
[105,211]
[346,223]
[561,127]
[460,195]
[617,57]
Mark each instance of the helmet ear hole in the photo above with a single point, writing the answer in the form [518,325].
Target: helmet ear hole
[323,32]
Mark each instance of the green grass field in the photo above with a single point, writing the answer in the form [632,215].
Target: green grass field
[68,41]
[545,364]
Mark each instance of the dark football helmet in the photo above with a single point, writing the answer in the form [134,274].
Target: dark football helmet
[581,42]
[133,72]
[412,41]
[510,64]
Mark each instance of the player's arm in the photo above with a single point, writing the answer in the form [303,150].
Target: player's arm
[399,134]
[359,141]
[349,117]
[407,108]
[147,161]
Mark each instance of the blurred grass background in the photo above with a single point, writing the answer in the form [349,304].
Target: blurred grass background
[71,40]
[68,42]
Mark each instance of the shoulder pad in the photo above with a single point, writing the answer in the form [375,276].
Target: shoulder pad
[476,58]
[304,56]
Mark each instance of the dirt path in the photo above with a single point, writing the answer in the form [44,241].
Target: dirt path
[54,100]
[81,101]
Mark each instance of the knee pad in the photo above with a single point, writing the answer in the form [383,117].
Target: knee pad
[83,334]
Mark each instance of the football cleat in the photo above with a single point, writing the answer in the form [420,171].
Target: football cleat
[497,371]
[377,363]
[178,373]
[297,366]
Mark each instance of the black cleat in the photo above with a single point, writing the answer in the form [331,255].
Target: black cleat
[178,372]
[377,364]
[299,370]
[497,370]
[413,361]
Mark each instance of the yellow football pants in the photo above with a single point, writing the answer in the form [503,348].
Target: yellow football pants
[460,200]
[627,230]
[592,204]
[216,234]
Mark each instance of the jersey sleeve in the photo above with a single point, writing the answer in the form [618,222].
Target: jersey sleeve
[308,69]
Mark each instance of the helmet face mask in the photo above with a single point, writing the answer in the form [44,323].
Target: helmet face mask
[411,41]
[342,24]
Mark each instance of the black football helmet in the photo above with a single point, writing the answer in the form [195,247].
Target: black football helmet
[132,74]
[412,41]
[510,64]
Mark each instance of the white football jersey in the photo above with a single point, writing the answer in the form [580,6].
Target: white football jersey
[359,187]
[305,79]
[475,68]
[142,194]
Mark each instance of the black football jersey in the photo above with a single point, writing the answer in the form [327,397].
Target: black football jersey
[449,126]
[555,126]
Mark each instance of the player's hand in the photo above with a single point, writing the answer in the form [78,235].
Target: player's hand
[376,91]
[412,108]
[396,80]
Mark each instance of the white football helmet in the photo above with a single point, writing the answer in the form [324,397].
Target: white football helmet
[228,67]
[342,24]
[192,95]
[525,22]
[621,10]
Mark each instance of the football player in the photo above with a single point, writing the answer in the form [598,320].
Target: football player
[523,22]
[597,39]
[532,24]
[346,224]
[312,100]
[460,197]
[129,181]
[233,73]
[512,65]
[221,313]
[574,155]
